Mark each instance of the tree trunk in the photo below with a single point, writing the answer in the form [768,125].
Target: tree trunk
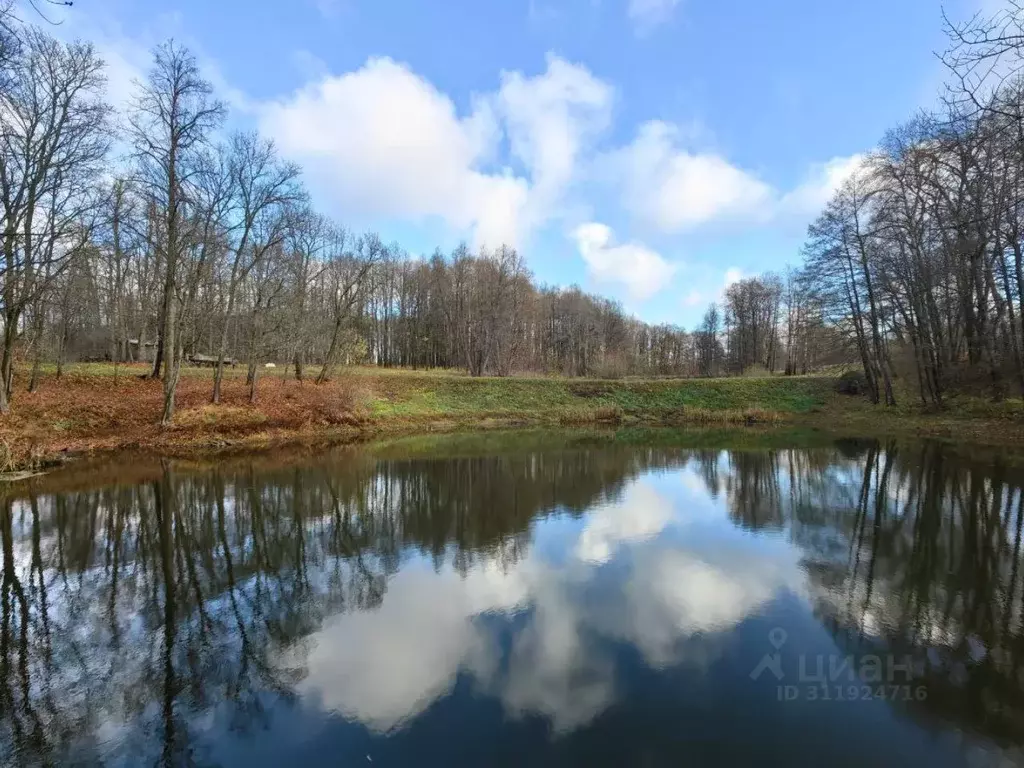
[37,352]
[158,357]
[218,374]
[7,360]
[328,369]
[252,383]
[172,364]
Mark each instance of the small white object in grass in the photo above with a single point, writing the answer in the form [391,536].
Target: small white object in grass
[270,365]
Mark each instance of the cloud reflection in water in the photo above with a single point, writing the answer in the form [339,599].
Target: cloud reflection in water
[386,666]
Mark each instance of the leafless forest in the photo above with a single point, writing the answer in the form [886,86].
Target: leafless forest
[156,236]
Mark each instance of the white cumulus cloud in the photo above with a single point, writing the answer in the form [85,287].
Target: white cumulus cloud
[811,195]
[674,189]
[382,140]
[641,270]
[550,120]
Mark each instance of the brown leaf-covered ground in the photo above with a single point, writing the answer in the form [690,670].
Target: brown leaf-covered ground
[88,411]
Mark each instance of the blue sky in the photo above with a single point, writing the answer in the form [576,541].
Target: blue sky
[650,150]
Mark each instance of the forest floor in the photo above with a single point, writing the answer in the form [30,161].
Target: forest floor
[94,408]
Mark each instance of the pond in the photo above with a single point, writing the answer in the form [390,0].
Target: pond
[574,598]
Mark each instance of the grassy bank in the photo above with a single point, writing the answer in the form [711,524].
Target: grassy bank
[91,409]
[414,399]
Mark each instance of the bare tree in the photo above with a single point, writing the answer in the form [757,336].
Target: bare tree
[346,273]
[708,347]
[840,254]
[309,236]
[267,283]
[170,123]
[262,191]
[54,129]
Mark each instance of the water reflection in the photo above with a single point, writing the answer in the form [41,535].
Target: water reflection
[576,601]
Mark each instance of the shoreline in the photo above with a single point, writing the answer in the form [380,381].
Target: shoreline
[983,434]
[89,413]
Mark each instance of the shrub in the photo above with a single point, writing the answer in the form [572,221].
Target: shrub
[852,383]
[345,401]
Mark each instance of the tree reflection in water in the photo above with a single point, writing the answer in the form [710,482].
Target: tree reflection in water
[130,610]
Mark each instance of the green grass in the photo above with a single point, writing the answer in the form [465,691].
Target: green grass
[434,397]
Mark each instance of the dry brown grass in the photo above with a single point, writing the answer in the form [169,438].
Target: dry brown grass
[85,412]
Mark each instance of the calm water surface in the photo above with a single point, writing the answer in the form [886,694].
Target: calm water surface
[540,599]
